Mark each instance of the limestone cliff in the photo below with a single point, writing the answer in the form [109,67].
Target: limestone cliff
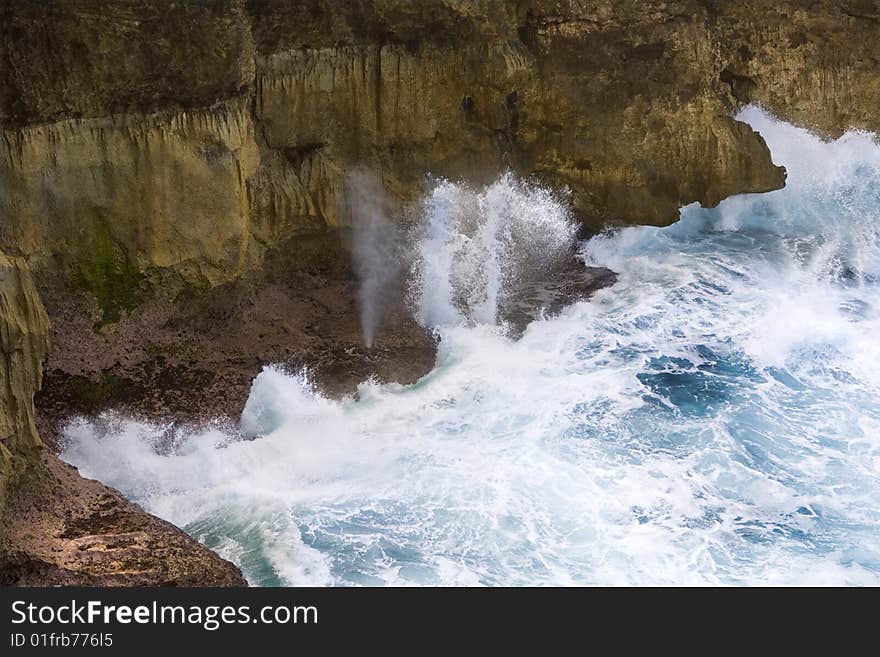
[811,63]
[620,102]
[56,527]
[173,176]
[105,199]
[24,343]
[127,141]
[183,142]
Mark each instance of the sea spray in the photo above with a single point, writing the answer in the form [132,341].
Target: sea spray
[465,249]
[375,250]
[829,214]
[474,246]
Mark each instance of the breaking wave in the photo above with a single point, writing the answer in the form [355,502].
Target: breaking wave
[713,417]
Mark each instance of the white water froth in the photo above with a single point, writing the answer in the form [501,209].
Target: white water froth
[714,417]
[473,246]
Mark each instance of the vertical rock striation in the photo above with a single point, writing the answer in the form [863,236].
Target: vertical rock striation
[186,142]
[103,200]
[165,153]
[814,64]
[24,343]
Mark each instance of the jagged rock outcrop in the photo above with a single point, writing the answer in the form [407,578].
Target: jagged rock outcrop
[616,101]
[24,343]
[64,530]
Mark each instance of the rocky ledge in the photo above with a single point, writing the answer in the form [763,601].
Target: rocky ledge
[62,529]
[193,360]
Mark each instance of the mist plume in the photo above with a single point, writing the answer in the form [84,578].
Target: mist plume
[375,250]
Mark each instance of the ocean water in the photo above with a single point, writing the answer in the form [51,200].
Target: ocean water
[712,418]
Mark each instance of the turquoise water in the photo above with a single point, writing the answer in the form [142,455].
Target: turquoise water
[713,418]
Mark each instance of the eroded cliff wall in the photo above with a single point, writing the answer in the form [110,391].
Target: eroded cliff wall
[164,149]
[191,138]
[24,343]
[620,102]
[812,63]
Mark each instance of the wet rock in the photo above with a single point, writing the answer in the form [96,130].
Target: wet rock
[192,360]
[546,297]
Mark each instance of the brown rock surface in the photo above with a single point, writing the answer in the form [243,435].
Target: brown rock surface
[65,530]
[24,343]
[194,360]
[811,63]
[92,58]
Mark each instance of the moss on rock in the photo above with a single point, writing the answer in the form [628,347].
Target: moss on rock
[110,276]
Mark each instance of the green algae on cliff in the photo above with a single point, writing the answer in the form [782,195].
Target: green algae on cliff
[230,130]
[110,276]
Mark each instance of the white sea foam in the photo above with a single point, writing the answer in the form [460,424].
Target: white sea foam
[474,245]
[714,417]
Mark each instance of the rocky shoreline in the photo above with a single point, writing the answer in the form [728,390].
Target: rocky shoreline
[61,529]
[193,361]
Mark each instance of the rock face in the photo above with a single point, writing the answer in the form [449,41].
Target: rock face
[621,102]
[183,142]
[108,198]
[814,64]
[173,175]
[128,140]
[64,530]
[94,58]
[24,343]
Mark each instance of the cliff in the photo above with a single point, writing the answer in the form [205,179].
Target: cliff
[812,63]
[185,141]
